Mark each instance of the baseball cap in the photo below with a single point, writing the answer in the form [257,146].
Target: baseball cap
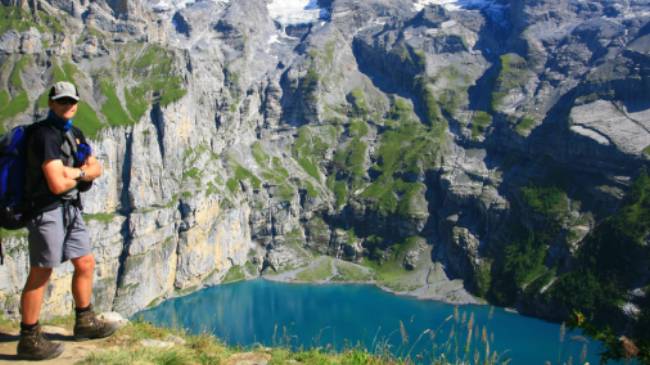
[63,89]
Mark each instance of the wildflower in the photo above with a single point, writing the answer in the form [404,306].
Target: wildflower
[578,318]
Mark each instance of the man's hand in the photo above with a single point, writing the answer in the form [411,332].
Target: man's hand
[92,168]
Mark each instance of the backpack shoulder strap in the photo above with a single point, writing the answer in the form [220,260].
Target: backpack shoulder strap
[70,138]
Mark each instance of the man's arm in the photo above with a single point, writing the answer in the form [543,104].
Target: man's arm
[59,178]
[92,169]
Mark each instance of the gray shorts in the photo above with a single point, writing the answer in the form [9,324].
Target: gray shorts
[50,243]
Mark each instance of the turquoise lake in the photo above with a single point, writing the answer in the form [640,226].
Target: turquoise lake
[340,316]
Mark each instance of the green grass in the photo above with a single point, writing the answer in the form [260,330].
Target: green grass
[321,270]
[352,159]
[357,100]
[483,278]
[90,31]
[13,233]
[11,107]
[406,147]
[308,149]
[513,74]
[58,74]
[171,90]
[549,201]
[242,174]
[279,169]
[87,120]
[4,97]
[17,105]
[358,128]
[112,107]
[274,172]
[382,196]
[409,196]
[285,192]
[232,185]
[260,156]
[136,103]
[15,77]
[125,348]
[14,18]
[351,272]
[71,70]
[340,189]
[390,272]
[480,121]
[235,273]
[194,174]
[524,260]
[6,323]
[156,80]
[428,100]
[100,217]
[311,190]
[525,125]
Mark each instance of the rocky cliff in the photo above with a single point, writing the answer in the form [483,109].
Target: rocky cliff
[497,134]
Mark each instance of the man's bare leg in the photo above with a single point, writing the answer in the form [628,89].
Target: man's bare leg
[82,280]
[31,299]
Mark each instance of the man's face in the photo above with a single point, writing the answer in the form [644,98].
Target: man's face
[65,108]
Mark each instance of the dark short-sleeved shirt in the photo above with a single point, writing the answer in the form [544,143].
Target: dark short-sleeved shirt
[45,143]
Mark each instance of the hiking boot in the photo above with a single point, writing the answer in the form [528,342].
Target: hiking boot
[34,346]
[87,327]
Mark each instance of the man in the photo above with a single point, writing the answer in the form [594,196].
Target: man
[57,232]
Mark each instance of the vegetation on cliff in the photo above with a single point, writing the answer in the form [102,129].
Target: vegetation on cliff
[611,263]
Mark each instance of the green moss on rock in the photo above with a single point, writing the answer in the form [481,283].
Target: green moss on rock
[513,74]
[235,273]
[112,107]
[524,126]
[480,121]
[549,201]
[357,100]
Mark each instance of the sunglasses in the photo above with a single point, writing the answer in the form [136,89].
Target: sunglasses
[66,101]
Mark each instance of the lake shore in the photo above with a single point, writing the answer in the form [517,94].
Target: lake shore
[425,283]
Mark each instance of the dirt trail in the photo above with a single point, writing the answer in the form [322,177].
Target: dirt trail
[74,351]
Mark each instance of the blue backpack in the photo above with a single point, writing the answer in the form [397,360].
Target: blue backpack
[12,180]
[12,177]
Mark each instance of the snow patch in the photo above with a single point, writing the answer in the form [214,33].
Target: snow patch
[447,4]
[162,6]
[288,12]
[274,39]
[492,8]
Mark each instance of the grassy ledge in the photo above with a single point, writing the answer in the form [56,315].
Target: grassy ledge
[178,347]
